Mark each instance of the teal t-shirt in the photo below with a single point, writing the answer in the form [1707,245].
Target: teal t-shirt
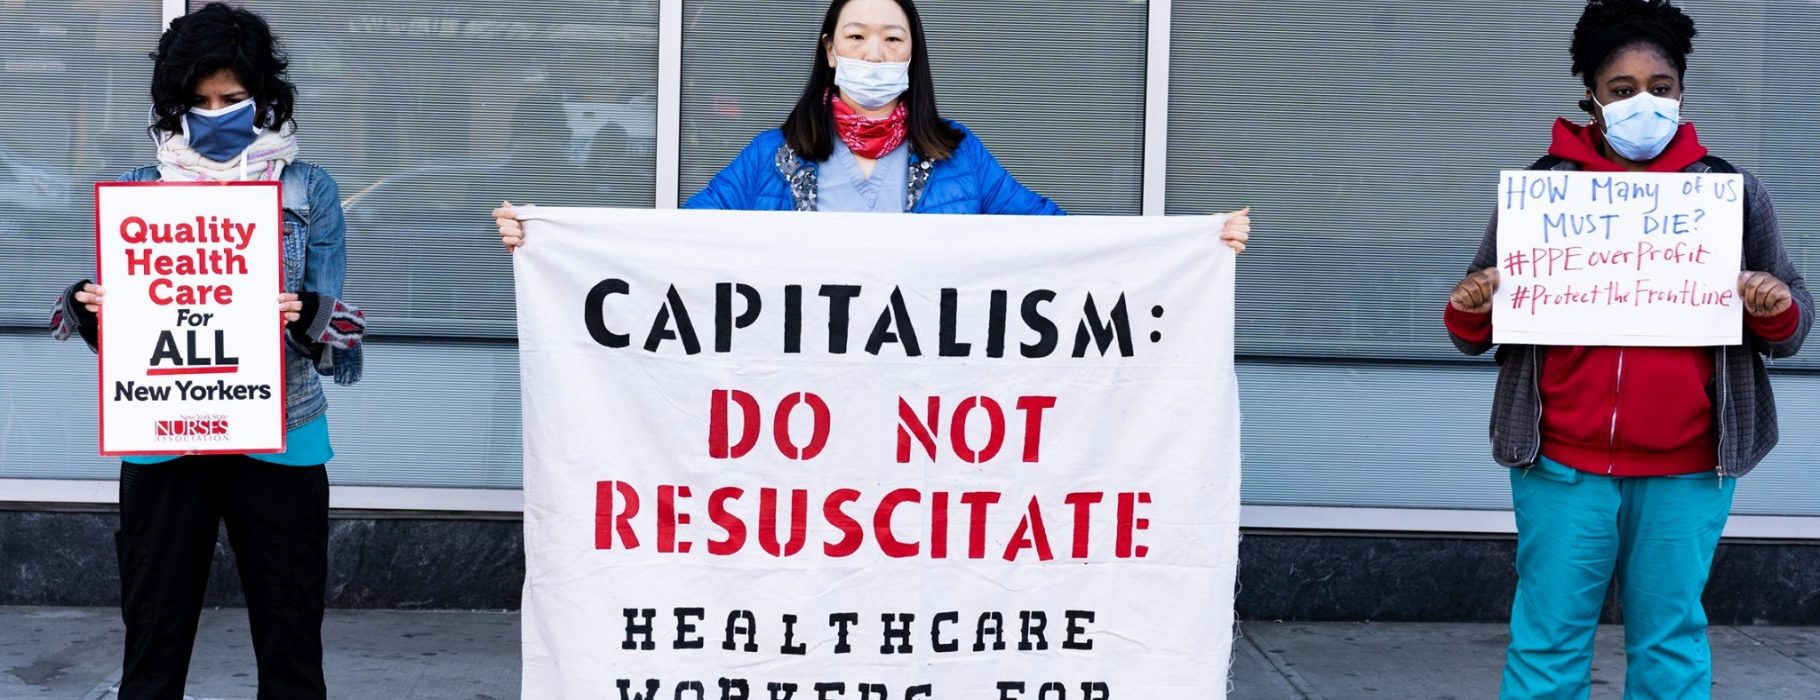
[306,445]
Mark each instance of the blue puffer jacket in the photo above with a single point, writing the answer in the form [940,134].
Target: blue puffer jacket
[768,176]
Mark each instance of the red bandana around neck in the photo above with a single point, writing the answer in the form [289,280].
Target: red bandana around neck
[868,137]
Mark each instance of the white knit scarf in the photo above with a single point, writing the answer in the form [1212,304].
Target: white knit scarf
[263,160]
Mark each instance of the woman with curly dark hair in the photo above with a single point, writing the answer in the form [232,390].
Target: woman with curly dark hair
[1625,459]
[221,111]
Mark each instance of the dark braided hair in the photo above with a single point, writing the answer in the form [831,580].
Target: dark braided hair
[211,39]
[1608,27]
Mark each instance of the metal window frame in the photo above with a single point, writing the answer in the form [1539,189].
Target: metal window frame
[1156,107]
[372,498]
[669,103]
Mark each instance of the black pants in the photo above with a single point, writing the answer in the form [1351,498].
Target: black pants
[278,523]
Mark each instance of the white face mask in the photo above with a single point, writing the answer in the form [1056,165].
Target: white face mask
[871,85]
[1640,128]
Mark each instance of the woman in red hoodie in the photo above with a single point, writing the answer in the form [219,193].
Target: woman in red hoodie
[1624,459]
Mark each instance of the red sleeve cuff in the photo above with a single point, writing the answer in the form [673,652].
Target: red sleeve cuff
[1476,328]
[1775,328]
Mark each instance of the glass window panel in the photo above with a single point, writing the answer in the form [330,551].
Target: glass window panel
[428,113]
[1067,123]
[1368,136]
[75,79]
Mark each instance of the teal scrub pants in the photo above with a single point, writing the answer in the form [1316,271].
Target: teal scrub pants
[1577,531]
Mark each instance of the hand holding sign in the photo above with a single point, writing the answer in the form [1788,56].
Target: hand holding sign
[90,297]
[291,307]
[1236,232]
[511,231]
[1763,294]
[1474,294]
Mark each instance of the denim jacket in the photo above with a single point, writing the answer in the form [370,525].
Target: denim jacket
[315,263]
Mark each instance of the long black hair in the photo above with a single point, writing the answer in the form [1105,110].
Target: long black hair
[809,130]
[204,42]
[1608,27]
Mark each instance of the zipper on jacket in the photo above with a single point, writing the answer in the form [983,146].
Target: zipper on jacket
[1721,375]
[1617,396]
[1535,377]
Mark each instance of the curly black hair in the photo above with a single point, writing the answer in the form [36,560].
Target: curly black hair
[202,43]
[1611,26]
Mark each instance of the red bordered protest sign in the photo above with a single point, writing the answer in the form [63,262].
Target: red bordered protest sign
[191,342]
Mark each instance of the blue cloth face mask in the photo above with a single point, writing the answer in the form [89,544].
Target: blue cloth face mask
[871,85]
[1641,127]
[221,135]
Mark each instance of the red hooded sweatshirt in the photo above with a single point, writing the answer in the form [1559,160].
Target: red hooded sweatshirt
[1627,411]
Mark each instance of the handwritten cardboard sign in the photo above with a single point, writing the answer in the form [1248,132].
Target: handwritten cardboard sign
[192,355]
[1638,259]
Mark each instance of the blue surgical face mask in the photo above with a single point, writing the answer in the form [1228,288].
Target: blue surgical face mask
[1641,127]
[871,85]
[221,135]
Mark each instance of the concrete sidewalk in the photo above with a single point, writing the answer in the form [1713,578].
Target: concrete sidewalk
[74,653]
[1344,661]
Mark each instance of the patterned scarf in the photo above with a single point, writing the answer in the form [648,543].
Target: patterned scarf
[868,137]
[264,160]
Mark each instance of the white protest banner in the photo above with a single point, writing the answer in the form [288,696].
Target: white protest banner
[784,455]
[1640,259]
[192,356]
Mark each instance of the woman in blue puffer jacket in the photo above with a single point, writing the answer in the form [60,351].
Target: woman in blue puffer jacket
[866,137]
